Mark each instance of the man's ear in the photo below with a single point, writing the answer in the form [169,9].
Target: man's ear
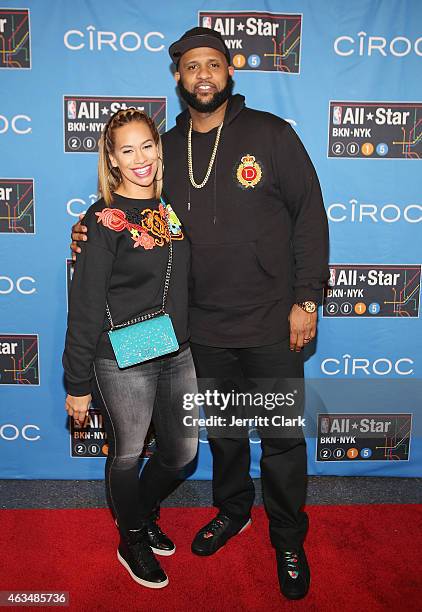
[231,71]
[177,76]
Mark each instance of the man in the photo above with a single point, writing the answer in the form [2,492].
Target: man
[250,201]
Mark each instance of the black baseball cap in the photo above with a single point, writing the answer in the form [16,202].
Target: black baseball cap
[198,37]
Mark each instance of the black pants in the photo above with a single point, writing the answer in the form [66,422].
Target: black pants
[283,462]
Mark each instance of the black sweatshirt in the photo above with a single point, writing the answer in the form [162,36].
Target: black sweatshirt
[258,228]
[126,266]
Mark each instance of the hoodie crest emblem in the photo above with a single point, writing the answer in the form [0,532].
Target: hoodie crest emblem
[248,172]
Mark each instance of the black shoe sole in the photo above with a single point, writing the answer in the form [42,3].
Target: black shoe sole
[295,597]
[208,554]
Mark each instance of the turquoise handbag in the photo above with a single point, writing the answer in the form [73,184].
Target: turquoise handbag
[147,336]
[143,341]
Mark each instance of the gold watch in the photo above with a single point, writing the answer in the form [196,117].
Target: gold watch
[308,306]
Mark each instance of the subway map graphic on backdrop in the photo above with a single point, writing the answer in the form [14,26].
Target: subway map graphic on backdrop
[15,38]
[349,83]
[19,359]
[17,206]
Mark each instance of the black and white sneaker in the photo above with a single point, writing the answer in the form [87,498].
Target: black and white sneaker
[293,573]
[215,534]
[159,541]
[135,554]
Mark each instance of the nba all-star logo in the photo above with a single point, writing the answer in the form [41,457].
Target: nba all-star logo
[84,118]
[248,172]
[375,130]
[364,437]
[259,41]
[90,438]
[373,290]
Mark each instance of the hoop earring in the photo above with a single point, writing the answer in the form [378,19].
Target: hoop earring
[162,170]
[114,168]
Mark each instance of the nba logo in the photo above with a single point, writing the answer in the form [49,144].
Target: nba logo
[206,22]
[71,109]
[337,112]
[332,279]
[325,425]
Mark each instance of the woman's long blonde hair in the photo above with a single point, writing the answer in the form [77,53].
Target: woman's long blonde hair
[110,178]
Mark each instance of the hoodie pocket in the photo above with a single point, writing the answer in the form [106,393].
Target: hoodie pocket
[231,275]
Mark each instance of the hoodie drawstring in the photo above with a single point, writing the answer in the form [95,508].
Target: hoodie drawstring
[215,190]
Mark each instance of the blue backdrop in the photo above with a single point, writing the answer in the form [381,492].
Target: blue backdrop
[347,77]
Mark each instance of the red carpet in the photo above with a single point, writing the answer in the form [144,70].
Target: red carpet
[362,557]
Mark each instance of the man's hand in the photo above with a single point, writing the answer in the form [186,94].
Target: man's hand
[302,327]
[79,232]
[78,407]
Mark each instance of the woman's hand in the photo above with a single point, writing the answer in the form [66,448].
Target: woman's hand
[77,407]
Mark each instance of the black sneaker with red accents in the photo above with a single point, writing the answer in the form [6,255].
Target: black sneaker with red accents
[293,573]
[215,534]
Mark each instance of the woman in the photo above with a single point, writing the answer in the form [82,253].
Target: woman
[121,273]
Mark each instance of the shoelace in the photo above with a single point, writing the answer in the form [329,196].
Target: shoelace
[144,556]
[155,529]
[212,527]
[292,562]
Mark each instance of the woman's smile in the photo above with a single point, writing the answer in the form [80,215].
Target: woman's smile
[142,172]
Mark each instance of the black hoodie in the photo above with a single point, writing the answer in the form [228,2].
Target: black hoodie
[258,228]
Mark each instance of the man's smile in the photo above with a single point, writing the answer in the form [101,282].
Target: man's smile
[205,87]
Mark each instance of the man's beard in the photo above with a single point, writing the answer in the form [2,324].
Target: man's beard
[207,107]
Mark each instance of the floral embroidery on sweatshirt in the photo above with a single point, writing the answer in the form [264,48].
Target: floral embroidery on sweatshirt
[148,228]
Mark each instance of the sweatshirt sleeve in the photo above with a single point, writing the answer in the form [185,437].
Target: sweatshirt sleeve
[86,314]
[301,192]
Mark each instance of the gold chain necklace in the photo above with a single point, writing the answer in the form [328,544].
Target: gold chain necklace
[210,165]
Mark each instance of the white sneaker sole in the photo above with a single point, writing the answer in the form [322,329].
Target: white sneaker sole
[145,583]
[163,553]
[245,526]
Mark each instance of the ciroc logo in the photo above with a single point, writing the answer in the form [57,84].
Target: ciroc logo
[359,212]
[20,124]
[97,40]
[362,366]
[78,206]
[10,432]
[22,284]
[365,45]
